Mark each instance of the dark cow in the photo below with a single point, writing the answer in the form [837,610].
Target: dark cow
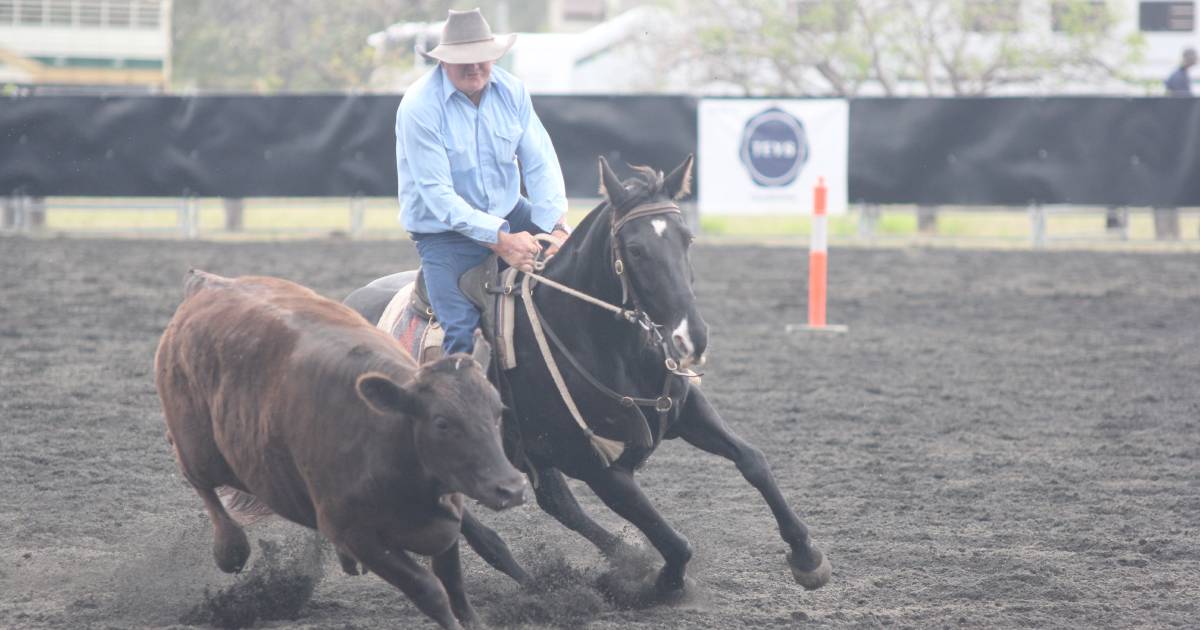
[277,392]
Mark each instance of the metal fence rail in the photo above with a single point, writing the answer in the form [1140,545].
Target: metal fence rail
[375,217]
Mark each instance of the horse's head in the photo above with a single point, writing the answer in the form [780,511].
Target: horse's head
[650,247]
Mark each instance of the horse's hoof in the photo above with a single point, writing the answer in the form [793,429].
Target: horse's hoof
[231,549]
[812,579]
[631,592]
[673,592]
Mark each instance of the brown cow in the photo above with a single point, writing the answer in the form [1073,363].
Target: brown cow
[275,391]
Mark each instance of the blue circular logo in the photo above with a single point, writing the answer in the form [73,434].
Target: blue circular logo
[774,148]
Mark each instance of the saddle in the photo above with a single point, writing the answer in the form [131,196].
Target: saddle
[409,316]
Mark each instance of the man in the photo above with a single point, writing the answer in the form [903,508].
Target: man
[1179,83]
[460,130]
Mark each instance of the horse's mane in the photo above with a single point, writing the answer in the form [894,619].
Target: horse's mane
[645,184]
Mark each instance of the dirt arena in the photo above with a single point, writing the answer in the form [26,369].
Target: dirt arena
[1003,439]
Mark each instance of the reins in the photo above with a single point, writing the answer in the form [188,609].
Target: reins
[608,450]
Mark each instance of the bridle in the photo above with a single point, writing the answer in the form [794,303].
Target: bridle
[609,450]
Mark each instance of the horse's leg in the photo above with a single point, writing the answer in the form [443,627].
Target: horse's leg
[618,490]
[488,544]
[448,569]
[701,426]
[555,498]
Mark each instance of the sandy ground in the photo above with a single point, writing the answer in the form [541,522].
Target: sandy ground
[1002,439]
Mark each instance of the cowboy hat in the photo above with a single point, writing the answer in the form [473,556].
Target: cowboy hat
[467,38]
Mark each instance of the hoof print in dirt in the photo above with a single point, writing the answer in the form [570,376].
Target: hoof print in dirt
[277,587]
[556,595]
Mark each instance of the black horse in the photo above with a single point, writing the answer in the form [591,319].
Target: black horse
[626,375]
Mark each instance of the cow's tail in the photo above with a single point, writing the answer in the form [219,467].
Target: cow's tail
[245,508]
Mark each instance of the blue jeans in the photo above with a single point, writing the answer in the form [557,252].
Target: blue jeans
[446,256]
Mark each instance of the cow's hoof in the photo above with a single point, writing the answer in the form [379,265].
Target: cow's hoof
[231,549]
[349,564]
[811,579]
[468,617]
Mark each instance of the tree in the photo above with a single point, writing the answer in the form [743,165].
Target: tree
[896,47]
[282,45]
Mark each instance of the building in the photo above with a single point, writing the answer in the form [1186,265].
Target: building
[595,47]
[82,45]
[598,46]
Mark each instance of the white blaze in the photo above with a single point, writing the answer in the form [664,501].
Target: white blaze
[682,339]
[660,226]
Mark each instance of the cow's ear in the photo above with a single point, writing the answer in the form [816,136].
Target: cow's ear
[482,352]
[386,396]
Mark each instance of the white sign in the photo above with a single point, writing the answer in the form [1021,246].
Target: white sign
[763,156]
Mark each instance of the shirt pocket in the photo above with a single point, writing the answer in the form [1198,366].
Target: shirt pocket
[505,139]
[459,151]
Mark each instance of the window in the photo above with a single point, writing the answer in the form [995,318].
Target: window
[591,10]
[145,14]
[29,12]
[828,16]
[1079,15]
[60,12]
[119,13]
[992,16]
[89,12]
[1167,16]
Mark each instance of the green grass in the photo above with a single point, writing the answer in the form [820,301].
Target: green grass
[284,217]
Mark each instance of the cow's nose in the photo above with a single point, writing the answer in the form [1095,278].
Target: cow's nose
[509,494]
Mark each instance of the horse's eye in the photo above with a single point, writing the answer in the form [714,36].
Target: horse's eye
[441,423]
[637,251]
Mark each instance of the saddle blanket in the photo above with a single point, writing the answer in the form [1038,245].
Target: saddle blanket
[421,336]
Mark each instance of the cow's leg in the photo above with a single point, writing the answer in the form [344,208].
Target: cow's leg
[488,544]
[618,490]
[554,496]
[701,426]
[204,467]
[395,566]
[349,563]
[231,548]
[448,569]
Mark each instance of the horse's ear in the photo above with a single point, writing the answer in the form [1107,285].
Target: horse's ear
[679,183]
[610,185]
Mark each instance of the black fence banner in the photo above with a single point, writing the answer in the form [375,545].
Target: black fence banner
[949,151]
[310,145]
[1016,151]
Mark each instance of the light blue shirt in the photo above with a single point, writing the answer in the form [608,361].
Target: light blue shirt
[457,163]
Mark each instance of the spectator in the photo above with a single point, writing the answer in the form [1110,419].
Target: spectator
[1179,83]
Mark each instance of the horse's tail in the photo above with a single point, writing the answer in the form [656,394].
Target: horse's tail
[245,508]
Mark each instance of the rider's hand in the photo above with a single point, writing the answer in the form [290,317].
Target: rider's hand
[559,235]
[518,250]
